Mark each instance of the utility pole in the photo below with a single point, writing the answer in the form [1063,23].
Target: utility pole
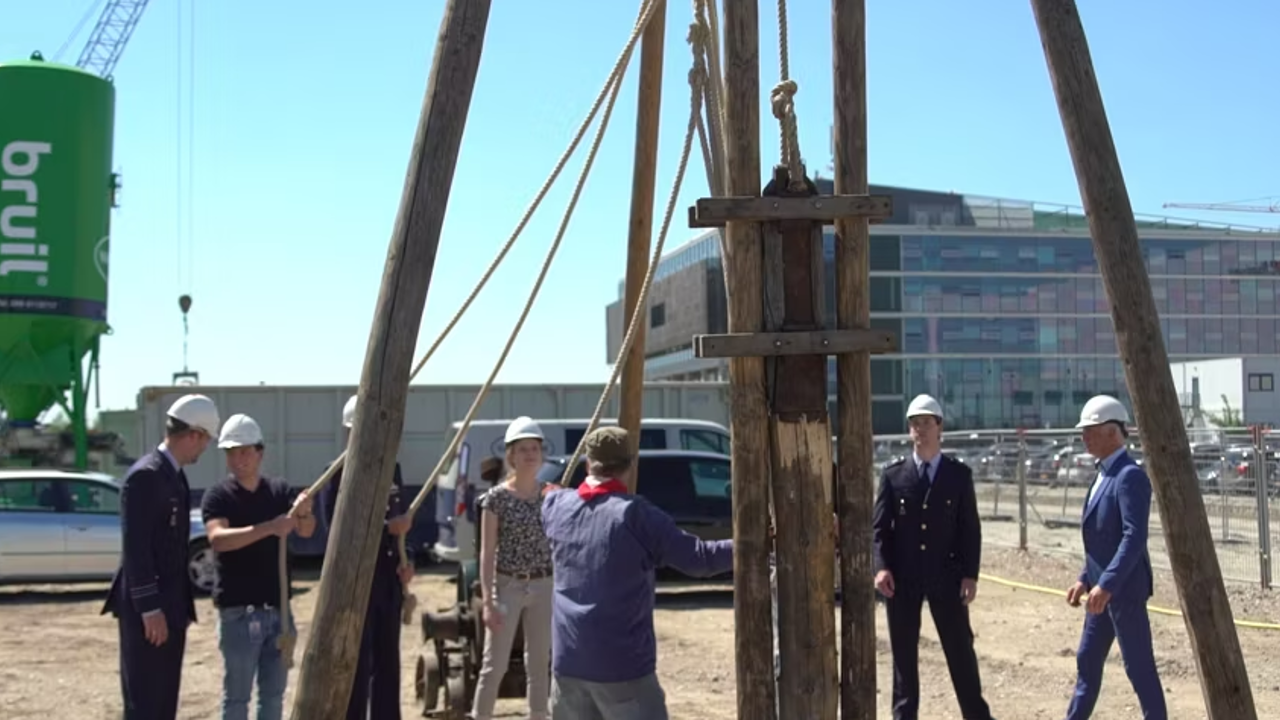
[640,231]
[780,419]
[855,496]
[1224,679]
[329,663]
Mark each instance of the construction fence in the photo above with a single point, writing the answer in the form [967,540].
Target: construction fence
[1032,486]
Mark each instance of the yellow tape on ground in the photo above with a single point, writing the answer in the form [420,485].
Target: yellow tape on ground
[1153,608]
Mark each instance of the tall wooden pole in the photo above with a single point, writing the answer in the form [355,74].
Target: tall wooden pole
[753,619]
[1224,679]
[856,487]
[800,438]
[640,231]
[328,666]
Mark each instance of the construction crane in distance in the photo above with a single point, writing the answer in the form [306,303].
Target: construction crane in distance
[1274,207]
[111,34]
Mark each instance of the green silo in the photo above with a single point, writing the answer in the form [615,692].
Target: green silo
[56,195]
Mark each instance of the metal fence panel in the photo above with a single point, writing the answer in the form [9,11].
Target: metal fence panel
[1031,488]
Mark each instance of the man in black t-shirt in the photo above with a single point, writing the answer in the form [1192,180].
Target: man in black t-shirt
[246,517]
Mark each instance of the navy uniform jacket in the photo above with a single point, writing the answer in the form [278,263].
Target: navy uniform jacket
[155,528]
[388,552]
[923,532]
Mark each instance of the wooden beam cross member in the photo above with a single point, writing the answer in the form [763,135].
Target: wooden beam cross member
[826,209]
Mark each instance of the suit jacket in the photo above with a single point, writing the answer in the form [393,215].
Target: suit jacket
[925,532]
[1114,527]
[155,529]
[388,552]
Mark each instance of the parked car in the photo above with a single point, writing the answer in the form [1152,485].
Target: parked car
[460,484]
[64,526]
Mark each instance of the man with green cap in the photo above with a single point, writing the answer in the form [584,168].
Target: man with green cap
[606,545]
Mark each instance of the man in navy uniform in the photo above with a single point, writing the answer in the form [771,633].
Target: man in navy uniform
[1116,580]
[928,546]
[151,594]
[376,693]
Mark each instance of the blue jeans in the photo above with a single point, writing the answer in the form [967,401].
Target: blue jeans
[247,638]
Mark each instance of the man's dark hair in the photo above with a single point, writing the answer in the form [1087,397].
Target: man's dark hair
[602,469]
[173,427]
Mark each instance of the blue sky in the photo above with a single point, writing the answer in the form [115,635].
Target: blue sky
[304,114]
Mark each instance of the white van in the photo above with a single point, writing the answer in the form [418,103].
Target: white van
[458,488]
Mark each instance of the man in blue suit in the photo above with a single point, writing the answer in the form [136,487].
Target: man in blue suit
[1117,579]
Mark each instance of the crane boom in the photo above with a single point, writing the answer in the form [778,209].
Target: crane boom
[110,35]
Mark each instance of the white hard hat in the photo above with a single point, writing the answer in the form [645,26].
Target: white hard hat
[1102,409]
[349,412]
[523,428]
[196,411]
[924,405]
[240,430]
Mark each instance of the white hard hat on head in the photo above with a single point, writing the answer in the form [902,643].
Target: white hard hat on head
[240,430]
[1102,409]
[349,412]
[523,428]
[924,405]
[198,412]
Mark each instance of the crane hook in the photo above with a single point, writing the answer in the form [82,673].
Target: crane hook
[184,302]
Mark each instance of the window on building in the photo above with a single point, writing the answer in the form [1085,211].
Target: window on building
[884,253]
[1262,382]
[886,294]
[658,315]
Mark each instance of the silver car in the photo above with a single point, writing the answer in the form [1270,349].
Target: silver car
[64,526]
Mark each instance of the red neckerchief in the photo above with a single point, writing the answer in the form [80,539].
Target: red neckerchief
[588,490]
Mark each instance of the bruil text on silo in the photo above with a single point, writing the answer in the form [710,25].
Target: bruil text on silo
[20,249]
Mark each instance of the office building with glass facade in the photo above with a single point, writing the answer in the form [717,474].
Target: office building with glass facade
[998,306]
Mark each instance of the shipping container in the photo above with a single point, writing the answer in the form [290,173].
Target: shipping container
[303,430]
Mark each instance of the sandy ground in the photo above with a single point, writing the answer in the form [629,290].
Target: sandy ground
[58,653]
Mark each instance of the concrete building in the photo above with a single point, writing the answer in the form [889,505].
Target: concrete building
[998,306]
[1233,391]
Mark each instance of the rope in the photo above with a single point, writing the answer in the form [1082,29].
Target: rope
[697,77]
[783,102]
[337,463]
[704,35]
[613,86]
[1256,625]
[610,89]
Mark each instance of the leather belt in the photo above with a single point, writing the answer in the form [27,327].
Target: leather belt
[531,575]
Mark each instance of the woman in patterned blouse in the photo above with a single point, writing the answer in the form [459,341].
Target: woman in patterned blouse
[515,574]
